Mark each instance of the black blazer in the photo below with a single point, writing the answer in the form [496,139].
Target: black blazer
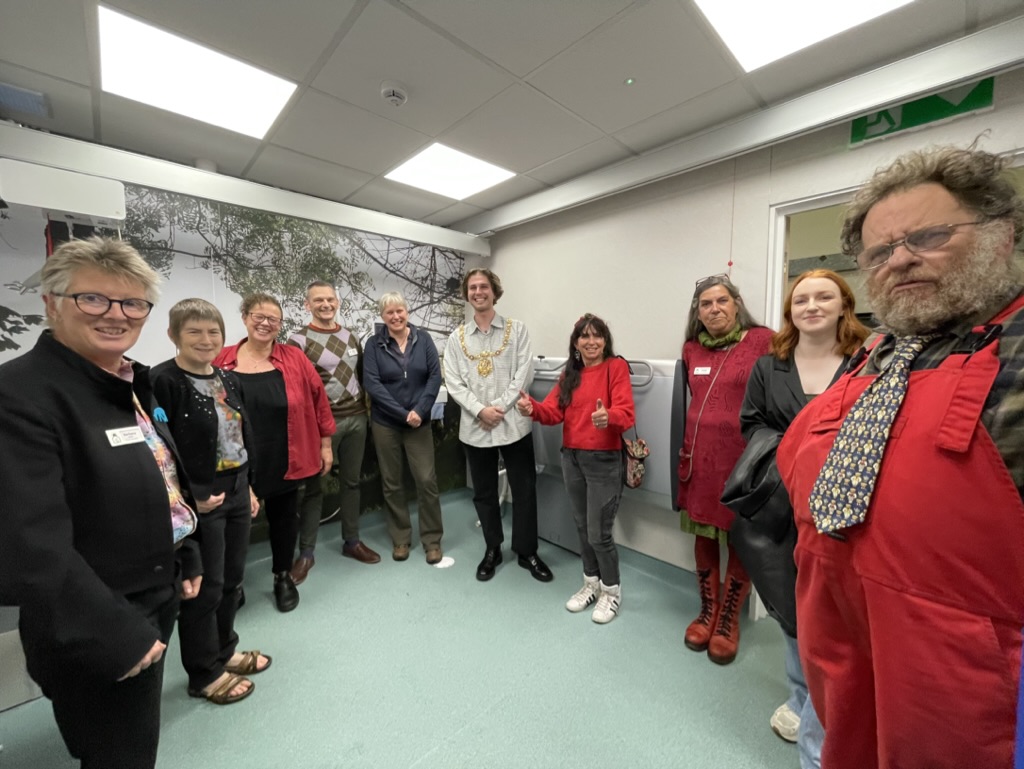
[765,545]
[85,518]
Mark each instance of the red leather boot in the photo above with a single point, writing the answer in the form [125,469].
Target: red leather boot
[698,634]
[725,641]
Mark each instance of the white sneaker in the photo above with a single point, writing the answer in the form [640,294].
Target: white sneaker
[607,604]
[585,596]
[785,722]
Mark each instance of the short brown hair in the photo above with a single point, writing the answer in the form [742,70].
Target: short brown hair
[320,284]
[259,297]
[192,309]
[850,332]
[493,279]
[975,178]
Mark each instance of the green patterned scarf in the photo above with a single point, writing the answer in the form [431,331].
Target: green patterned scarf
[715,343]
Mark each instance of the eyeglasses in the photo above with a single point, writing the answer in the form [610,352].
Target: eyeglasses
[712,278]
[259,318]
[916,242]
[97,304]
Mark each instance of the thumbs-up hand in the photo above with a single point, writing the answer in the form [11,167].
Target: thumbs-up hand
[524,404]
[600,416]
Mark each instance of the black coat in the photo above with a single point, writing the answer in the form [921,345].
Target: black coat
[85,520]
[764,534]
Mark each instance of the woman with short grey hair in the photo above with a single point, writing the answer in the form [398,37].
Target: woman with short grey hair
[94,514]
[402,374]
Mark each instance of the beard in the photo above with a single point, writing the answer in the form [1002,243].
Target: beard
[972,282]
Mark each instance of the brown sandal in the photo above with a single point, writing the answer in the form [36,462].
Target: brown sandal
[221,695]
[248,665]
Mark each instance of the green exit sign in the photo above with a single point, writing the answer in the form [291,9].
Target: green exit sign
[947,105]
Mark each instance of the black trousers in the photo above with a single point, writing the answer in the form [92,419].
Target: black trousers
[283,519]
[206,624]
[109,724]
[521,470]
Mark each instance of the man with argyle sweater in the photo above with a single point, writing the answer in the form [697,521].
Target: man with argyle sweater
[338,357]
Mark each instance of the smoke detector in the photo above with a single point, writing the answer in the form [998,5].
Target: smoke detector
[394,93]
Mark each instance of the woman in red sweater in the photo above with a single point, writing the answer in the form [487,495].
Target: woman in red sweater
[594,402]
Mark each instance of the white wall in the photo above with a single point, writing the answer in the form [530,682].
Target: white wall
[633,258]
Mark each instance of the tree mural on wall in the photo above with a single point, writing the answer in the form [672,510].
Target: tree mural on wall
[13,323]
[255,250]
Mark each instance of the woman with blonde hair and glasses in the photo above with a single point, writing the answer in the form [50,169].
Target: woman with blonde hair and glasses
[722,343]
[819,333]
[292,425]
[93,512]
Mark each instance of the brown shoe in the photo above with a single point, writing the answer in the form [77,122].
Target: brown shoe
[434,554]
[400,553]
[300,569]
[360,552]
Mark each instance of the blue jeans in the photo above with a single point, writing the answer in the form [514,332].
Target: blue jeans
[593,480]
[811,735]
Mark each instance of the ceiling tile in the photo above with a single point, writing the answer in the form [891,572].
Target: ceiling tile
[292,171]
[520,35]
[532,130]
[70,104]
[453,213]
[603,152]
[512,189]
[397,199]
[675,62]
[709,109]
[444,83]
[160,134]
[286,38]
[47,36]
[324,127]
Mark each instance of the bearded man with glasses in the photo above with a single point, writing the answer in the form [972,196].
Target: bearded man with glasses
[907,480]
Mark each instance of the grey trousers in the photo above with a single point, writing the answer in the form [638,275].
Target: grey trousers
[418,444]
[593,480]
[348,445]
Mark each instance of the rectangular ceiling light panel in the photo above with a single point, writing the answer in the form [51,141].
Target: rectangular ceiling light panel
[759,32]
[148,65]
[448,172]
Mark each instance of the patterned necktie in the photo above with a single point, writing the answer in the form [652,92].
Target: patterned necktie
[842,493]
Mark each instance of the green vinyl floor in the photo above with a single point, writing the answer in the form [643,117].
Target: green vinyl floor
[408,666]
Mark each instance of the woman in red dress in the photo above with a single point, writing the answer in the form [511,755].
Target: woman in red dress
[723,342]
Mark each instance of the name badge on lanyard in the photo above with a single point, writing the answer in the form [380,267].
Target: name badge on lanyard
[701,370]
[123,436]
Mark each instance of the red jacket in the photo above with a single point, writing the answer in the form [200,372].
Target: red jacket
[309,411]
[607,381]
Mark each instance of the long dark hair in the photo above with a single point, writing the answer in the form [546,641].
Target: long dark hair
[571,378]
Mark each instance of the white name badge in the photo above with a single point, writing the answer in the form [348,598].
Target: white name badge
[701,370]
[122,436]
[351,351]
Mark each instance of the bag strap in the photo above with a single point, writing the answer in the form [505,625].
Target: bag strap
[608,377]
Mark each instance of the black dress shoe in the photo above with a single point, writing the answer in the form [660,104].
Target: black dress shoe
[286,595]
[537,567]
[492,557]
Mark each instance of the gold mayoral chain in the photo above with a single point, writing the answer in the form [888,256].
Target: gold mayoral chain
[484,364]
